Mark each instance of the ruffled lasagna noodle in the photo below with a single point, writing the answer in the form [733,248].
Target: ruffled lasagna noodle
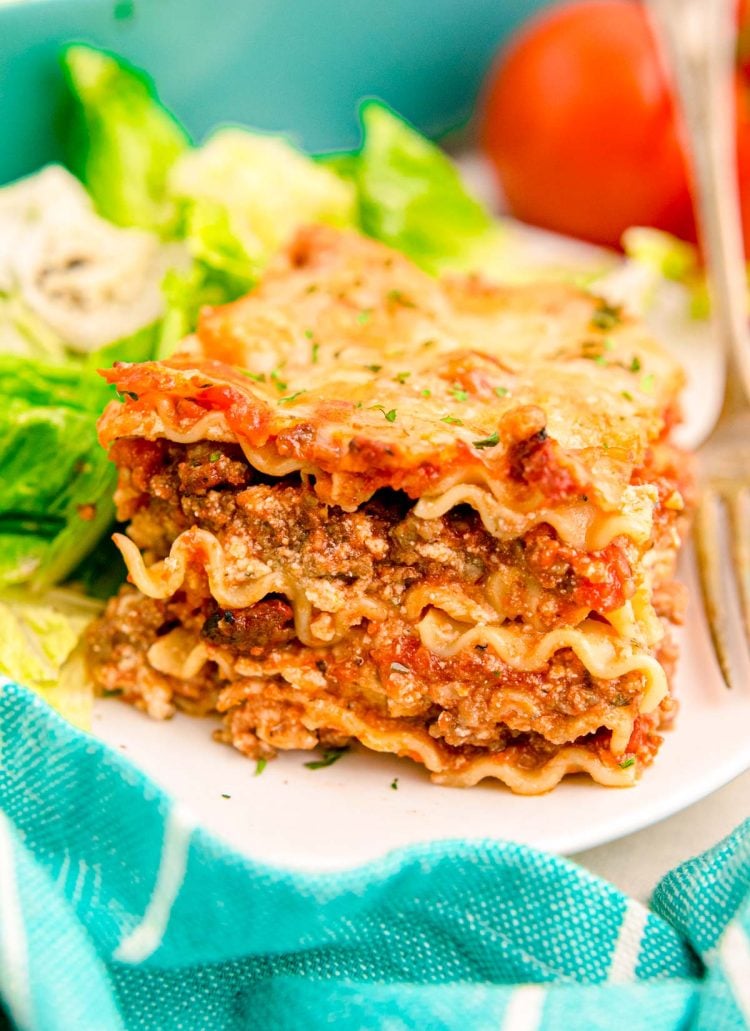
[439,518]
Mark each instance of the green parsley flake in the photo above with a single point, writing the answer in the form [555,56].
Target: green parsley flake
[426,393]
[373,368]
[458,392]
[402,377]
[399,667]
[626,763]
[214,456]
[314,354]
[329,758]
[647,383]
[390,415]
[451,420]
[258,377]
[502,391]
[398,298]
[600,359]
[278,382]
[260,766]
[225,796]
[394,784]
[364,316]
[626,394]
[309,334]
[606,316]
[292,397]
[635,365]
[492,441]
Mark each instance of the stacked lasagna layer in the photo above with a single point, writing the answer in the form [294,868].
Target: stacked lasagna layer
[438,518]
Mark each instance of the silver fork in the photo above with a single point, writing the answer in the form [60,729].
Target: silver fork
[698,38]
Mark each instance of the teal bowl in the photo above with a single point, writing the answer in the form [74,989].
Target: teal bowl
[299,66]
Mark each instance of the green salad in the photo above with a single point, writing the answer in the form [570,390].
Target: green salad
[112,257]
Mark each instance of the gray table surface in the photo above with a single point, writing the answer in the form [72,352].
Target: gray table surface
[636,863]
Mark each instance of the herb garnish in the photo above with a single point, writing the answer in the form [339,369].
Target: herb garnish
[606,316]
[626,394]
[502,391]
[647,383]
[314,354]
[214,456]
[399,667]
[278,382]
[398,298]
[635,365]
[225,796]
[309,334]
[394,784]
[390,415]
[330,756]
[373,368]
[451,420]
[364,316]
[258,377]
[492,441]
[292,397]
[402,377]
[425,393]
[260,766]
[626,763]
[458,392]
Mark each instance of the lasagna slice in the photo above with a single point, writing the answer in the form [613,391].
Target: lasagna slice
[439,518]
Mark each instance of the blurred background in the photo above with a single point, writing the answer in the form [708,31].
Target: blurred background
[569,100]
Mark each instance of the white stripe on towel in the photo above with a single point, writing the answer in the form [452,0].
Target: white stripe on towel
[734,952]
[146,937]
[628,946]
[14,969]
[524,1009]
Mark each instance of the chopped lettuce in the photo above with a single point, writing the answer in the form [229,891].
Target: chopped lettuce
[39,648]
[243,194]
[411,196]
[667,257]
[56,481]
[240,196]
[121,141]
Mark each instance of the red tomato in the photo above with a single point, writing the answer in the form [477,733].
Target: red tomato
[579,124]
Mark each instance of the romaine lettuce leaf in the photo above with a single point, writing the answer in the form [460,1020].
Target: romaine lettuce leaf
[56,481]
[242,194]
[121,140]
[39,648]
[411,196]
[667,257]
[56,485]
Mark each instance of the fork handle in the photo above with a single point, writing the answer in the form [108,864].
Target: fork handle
[699,37]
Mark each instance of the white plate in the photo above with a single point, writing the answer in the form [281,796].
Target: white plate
[348,813]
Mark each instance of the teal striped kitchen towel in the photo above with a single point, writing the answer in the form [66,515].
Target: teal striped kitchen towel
[117,912]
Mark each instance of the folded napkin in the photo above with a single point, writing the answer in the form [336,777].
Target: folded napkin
[116,911]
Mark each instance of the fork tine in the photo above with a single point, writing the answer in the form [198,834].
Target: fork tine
[738,506]
[707,536]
